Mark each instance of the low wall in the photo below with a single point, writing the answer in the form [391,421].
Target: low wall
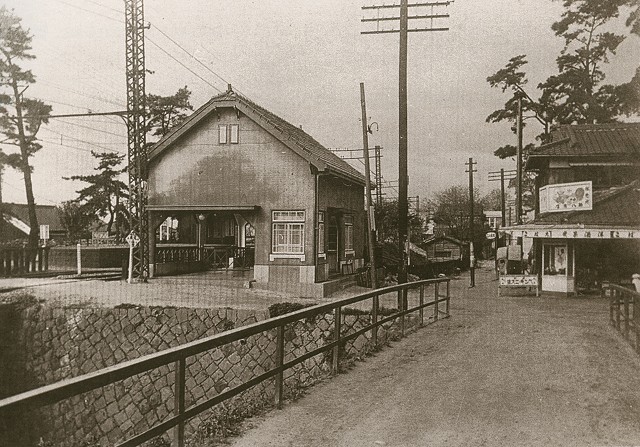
[43,345]
[65,257]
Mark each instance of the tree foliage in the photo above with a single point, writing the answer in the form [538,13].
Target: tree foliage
[387,222]
[106,195]
[75,219]
[166,112]
[20,117]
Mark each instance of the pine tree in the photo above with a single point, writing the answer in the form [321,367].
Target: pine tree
[20,117]
[106,194]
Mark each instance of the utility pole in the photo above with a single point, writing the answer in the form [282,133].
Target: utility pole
[378,176]
[368,209]
[519,165]
[137,151]
[471,163]
[501,177]
[402,112]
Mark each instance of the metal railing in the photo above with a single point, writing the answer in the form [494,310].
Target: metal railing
[178,355]
[624,314]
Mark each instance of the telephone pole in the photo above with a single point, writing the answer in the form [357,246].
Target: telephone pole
[137,151]
[471,163]
[367,176]
[519,165]
[501,176]
[403,177]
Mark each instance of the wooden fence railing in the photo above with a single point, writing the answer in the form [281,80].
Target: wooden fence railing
[624,312]
[16,261]
[178,356]
[216,257]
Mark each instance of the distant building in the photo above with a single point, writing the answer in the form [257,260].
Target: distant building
[237,186]
[14,225]
[494,219]
[587,229]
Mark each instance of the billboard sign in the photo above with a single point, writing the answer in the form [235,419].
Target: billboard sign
[562,197]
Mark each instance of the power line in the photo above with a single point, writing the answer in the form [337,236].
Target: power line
[90,11]
[183,65]
[93,128]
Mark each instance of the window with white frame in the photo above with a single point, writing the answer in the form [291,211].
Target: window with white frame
[321,232]
[222,134]
[288,232]
[234,129]
[348,233]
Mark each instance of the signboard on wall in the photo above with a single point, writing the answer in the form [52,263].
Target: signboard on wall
[562,197]
[574,233]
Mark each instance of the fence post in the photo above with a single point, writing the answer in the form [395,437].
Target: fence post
[617,295]
[178,406]
[446,306]
[336,348]
[374,317]
[436,294]
[403,307]
[421,304]
[603,291]
[636,322]
[625,298]
[79,259]
[279,362]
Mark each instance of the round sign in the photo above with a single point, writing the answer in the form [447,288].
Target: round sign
[491,235]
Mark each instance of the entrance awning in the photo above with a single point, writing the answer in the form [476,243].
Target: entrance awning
[200,208]
[571,231]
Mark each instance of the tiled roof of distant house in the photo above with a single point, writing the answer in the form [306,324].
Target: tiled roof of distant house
[46,214]
[590,140]
[291,136]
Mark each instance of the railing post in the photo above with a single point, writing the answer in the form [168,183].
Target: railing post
[421,304]
[279,362]
[625,298]
[436,294]
[617,295]
[403,301]
[336,348]
[636,322]
[603,291]
[374,317]
[178,406]
[447,303]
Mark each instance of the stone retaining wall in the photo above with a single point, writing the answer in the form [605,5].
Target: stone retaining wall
[44,345]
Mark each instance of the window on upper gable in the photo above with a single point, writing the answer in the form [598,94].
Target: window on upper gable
[222,134]
[234,130]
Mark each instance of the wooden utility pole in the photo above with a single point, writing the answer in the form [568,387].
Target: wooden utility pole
[519,165]
[501,176]
[367,176]
[403,178]
[471,232]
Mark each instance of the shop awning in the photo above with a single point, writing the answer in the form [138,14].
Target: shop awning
[571,231]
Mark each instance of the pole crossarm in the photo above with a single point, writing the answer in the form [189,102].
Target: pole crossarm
[409,5]
[412,30]
[424,16]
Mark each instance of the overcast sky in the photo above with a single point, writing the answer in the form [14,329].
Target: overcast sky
[303,60]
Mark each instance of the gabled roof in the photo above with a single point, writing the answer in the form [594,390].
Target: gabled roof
[619,206]
[46,214]
[590,140]
[433,239]
[291,136]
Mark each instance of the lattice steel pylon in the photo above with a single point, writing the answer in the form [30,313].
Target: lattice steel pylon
[137,151]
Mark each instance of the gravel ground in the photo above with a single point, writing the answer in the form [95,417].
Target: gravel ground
[509,371]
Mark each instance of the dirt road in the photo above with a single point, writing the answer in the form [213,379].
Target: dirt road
[509,371]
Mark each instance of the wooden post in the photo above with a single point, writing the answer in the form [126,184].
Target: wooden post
[636,322]
[403,304]
[436,294]
[625,298]
[605,288]
[336,348]
[367,176]
[279,361]
[374,317]
[617,294]
[421,304]
[79,258]
[179,406]
[448,298]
